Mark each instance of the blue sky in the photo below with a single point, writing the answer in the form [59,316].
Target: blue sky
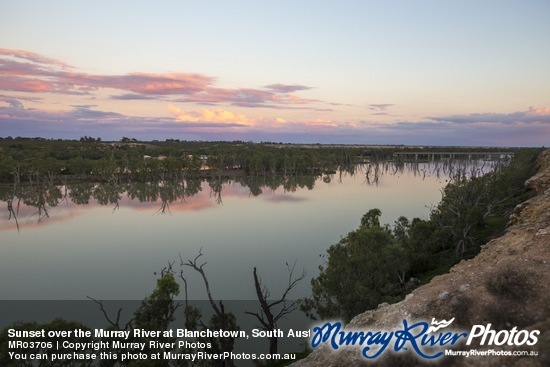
[384,72]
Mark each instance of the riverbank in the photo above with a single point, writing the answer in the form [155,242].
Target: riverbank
[506,284]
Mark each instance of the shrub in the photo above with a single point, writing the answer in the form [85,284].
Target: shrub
[509,282]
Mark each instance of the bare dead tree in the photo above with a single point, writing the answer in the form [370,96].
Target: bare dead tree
[271,311]
[222,319]
[200,269]
[116,322]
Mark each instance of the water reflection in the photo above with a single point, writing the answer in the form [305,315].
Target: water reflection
[42,196]
[451,169]
[107,239]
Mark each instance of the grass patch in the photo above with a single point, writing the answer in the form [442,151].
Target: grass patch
[510,283]
[461,309]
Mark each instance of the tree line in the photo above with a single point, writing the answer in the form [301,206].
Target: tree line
[91,159]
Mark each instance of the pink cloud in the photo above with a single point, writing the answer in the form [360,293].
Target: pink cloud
[208,115]
[247,97]
[26,71]
[20,68]
[538,111]
[21,84]
[144,83]
[33,57]
[30,72]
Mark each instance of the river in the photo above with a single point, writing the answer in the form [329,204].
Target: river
[109,246]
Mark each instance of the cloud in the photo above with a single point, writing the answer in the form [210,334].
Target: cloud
[43,74]
[25,71]
[538,111]
[14,103]
[22,84]
[285,88]
[247,97]
[132,96]
[206,115]
[219,124]
[83,113]
[142,83]
[33,57]
[29,76]
[83,105]
[380,107]
[495,134]
[79,113]
[533,115]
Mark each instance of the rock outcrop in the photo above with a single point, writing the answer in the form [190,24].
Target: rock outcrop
[507,284]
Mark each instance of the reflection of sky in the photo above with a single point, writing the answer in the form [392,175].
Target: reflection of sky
[91,250]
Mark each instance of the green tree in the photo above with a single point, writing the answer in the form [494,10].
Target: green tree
[371,218]
[155,313]
[401,230]
[157,310]
[362,270]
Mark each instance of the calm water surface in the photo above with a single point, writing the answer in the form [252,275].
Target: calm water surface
[110,252]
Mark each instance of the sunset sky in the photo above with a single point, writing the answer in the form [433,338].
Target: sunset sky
[438,72]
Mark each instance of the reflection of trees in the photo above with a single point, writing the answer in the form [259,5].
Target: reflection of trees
[254,184]
[192,187]
[346,170]
[449,167]
[216,186]
[10,197]
[81,193]
[273,182]
[292,183]
[12,213]
[108,194]
[42,195]
[143,191]
[170,191]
